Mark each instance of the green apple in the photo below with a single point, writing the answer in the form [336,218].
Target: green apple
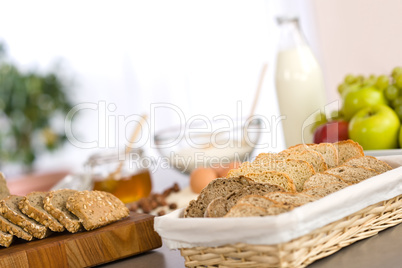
[375,127]
[354,100]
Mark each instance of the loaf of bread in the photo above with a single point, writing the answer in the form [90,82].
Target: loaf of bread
[290,199]
[248,210]
[96,208]
[320,191]
[327,150]
[4,191]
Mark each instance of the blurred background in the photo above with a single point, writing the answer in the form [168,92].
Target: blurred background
[117,59]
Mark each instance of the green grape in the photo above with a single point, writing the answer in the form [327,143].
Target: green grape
[398,111]
[342,88]
[391,93]
[360,79]
[397,102]
[382,82]
[350,79]
[396,71]
[370,81]
[320,119]
[398,81]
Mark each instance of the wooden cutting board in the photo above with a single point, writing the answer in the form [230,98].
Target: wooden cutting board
[121,239]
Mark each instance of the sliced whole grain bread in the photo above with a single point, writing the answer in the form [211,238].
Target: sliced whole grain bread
[369,162]
[10,211]
[348,149]
[316,160]
[320,191]
[6,239]
[257,200]
[274,177]
[290,199]
[323,179]
[4,191]
[96,208]
[248,210]
[55,204]
[220,187]
[11,228]
[352,174]
[221,205]
[327,150]
[32,206]
[297,170]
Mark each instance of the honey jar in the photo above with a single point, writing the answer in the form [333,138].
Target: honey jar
[120,174]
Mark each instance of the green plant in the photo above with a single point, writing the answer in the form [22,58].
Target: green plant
[32,106]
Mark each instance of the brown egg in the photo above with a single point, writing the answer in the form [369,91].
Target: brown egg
[224,169]
[200,177]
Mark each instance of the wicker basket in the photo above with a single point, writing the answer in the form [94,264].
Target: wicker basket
[304,250]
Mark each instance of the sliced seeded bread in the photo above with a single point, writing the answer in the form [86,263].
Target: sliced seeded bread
[327,150]
[297,170]
[290,199]
[348,149]
[96,208]
[9,210]
[322,180]
[221,205]
[11,228]
[4,191]
[248,210]
[319,191]
[6,239]
[55,204]
[32,206]
[274,177]
[369,162]
[257,200]
[220,187]
[352,174]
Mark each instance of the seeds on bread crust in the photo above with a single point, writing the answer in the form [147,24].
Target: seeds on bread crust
[105,208]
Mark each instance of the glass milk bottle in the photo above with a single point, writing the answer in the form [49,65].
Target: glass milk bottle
[299,83]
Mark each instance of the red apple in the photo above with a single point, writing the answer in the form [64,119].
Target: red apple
[331,132]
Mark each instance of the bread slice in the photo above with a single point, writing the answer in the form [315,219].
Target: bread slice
[369,162]
[274,177]
[327,150]
[10,211]
[220,187]
[247,210]
[322,180]
[221,205]
[348,149]
[352,174]
[32,206]
[96,208]
[316,160]
[290,199]
[297,170]
[4,191]
[55,204]
[257,200]
[11,228]
[319,191]
[6,239]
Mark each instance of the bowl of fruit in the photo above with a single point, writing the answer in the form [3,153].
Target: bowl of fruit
[371,113]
